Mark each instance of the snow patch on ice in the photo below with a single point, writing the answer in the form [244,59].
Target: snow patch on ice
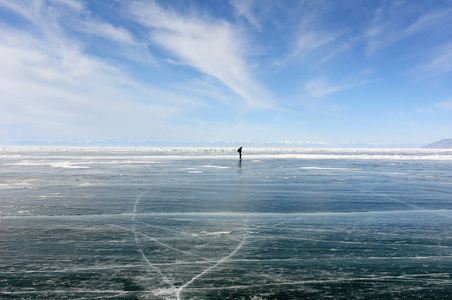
[331,169]
[60,164]
[215,167]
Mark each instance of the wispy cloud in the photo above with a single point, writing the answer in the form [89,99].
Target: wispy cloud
[320,88]
[50,87]
[167,70]
[125,43]
[310,41]
[319,95]
[445,105]
[245,8]
[212,47]
[310,38]
[439,64]
[107,31]
[62,92]
[397,20]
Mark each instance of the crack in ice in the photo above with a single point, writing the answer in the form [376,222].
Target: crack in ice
[173,290]
[213,266]
[165,278]
[161,243]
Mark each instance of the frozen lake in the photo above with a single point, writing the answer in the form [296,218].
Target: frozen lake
[150,223]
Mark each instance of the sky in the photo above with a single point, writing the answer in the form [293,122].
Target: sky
[300,72]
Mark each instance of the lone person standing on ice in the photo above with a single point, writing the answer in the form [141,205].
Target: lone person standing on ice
[240,152]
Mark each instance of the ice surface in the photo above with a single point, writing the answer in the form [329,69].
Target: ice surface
[198,223]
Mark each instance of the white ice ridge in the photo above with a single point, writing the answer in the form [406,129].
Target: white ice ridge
[154,155]
[54,164]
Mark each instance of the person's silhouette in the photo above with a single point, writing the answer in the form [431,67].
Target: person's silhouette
[240,152]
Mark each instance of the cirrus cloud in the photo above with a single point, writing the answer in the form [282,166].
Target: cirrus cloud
[214,48]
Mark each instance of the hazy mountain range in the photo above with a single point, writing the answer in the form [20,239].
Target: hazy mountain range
[442,144]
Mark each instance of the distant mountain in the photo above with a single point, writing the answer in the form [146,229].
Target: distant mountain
[443,144]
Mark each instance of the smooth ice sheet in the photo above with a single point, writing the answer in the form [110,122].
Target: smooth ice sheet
[200,224]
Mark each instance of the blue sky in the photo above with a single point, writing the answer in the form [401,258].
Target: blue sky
[331,72]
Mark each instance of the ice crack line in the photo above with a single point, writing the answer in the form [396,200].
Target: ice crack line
[161,243]
[179,290]
[136,204]
[164,277]
[173,289]
[163,228]
[417,207]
